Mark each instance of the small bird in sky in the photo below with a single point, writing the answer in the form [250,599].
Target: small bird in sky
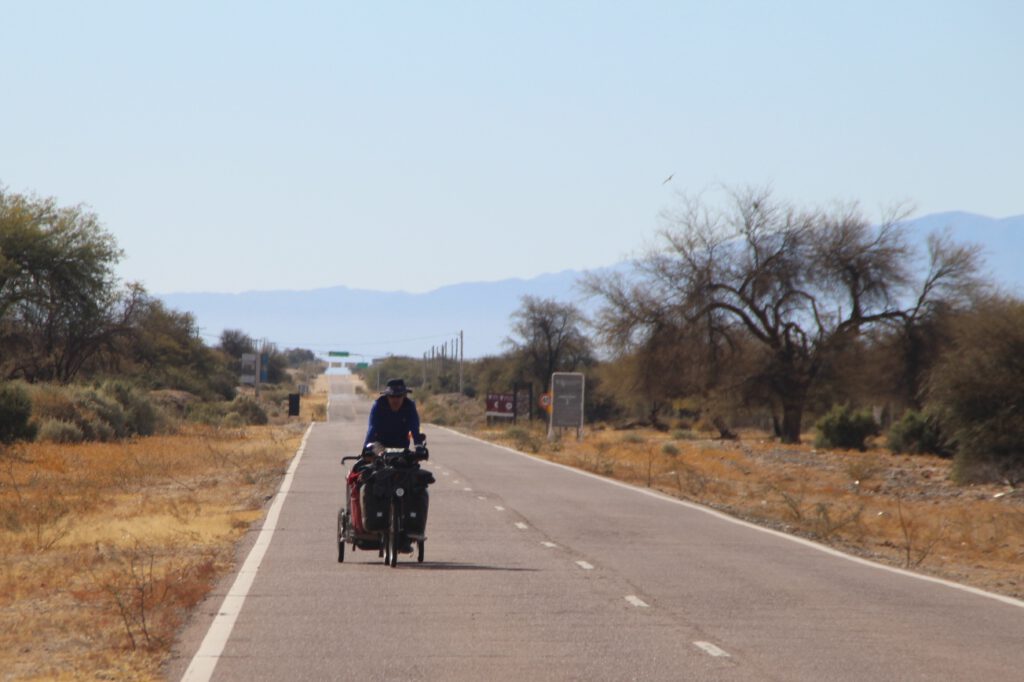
[669,178]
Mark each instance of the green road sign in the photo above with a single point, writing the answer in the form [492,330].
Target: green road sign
[338,354]
[362,365]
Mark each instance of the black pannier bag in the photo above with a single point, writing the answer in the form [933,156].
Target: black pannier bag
[374,499]
[418,503]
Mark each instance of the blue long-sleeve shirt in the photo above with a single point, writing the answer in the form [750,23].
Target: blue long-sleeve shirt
[391,429]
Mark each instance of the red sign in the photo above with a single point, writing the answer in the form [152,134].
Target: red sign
[500,405]
[545,401]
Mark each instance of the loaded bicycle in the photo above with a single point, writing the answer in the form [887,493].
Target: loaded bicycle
[386,504]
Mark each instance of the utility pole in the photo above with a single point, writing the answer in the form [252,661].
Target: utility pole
[462,343]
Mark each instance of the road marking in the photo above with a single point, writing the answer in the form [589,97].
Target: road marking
[549,544]
[585,566]
[1019,603]
[637,601]
[521,526]
[480,497]
[499,508]
[446,473]
[205,659]
[468,490]
[710,648]
[456,482]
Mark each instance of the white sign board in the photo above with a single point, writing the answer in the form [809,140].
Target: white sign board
[250,368]
[567,389]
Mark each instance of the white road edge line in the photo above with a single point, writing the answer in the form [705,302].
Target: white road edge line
[710,648]
[206,658]
[637,601]
[585,566]
[725,517]
[521,526]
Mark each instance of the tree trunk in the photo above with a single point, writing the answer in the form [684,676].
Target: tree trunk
[792,415]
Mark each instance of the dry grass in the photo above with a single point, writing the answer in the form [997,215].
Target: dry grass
[105,547]
[896,509]
[313,407]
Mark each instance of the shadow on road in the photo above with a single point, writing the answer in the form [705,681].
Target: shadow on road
[455,566]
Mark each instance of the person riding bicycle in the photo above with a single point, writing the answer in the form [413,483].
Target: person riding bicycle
[393,418]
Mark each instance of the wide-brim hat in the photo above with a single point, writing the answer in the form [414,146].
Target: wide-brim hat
[396,387]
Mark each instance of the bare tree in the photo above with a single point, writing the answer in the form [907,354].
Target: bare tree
[800,283]
[922,332]
[549,337]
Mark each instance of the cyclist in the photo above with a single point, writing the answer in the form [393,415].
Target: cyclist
[393,418]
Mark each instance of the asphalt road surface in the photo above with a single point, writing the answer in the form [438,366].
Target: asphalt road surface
[537,572]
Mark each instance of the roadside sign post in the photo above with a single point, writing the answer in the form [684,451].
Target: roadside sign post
[567,391]
[500,406]
[252,371]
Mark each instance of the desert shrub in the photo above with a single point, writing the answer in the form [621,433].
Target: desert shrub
[633,439]
[916,434]
[15,412]
[249,410]
[841,427]
[207,413]
[976,392]
[52,402]
[684,434]
[142,416]
[102,413]
[97,415]
[524,439]
[670,449]
[233,420]
[58,431]
[275,394]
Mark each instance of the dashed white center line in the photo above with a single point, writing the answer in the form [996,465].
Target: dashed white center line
[468,490]
[521,526]
[710,648]
[446,473]
[499,508]
[637,601]
[585,566]
[549,544]
[455,482]
[480,497]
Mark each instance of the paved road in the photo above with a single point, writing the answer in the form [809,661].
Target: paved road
[537,572]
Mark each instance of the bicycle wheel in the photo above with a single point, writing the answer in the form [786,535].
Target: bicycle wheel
[393,533]
[342,519]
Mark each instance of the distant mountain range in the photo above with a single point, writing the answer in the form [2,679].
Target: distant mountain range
[374,323]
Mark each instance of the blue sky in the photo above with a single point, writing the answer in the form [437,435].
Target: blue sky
[405,146]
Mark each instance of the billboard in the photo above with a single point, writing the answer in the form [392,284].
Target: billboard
[567,400]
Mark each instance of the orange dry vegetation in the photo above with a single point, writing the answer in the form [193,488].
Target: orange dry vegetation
[105,546]
[897,509]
